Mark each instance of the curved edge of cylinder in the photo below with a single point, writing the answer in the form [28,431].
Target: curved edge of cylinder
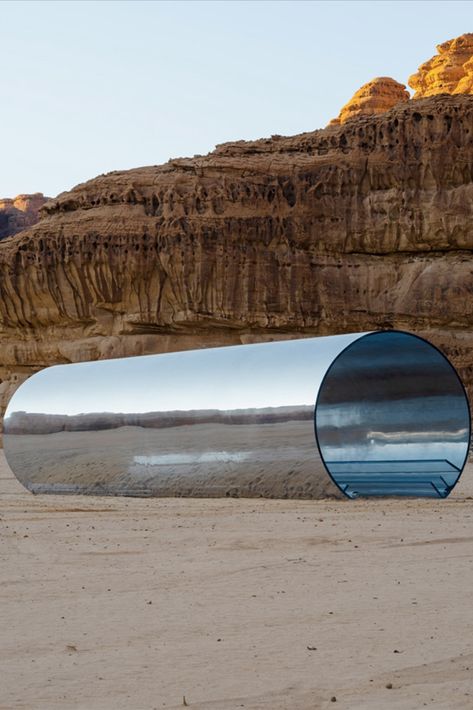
[343,352]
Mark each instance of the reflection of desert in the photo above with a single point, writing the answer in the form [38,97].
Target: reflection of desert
[132,604]
[269,460]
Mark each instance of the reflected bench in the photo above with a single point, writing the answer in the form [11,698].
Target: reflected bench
[431,478]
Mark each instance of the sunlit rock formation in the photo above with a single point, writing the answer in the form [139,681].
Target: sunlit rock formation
[448,72]
[377,96]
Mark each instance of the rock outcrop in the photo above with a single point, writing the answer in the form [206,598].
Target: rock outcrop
[377,96]
[19,213]
[448,72]
[355,227]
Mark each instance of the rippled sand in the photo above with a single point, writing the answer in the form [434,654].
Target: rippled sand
[200,460]
[132,604]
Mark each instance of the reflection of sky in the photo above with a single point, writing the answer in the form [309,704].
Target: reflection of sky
[286,373]
[432,412]
[393,397]
[441,451]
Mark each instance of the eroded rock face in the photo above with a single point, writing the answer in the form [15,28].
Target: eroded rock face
[448,72]
[19,213]
[355,227]
[377,96]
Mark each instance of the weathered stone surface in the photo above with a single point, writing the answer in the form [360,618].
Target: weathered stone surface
[360,226]
[19,213]
[377,96]
[448,72]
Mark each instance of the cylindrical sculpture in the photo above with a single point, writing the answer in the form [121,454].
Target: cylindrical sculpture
[380,413]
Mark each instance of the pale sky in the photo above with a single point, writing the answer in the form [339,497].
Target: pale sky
[89,87]
[247,376]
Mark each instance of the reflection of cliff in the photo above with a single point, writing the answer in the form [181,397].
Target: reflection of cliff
[31,423]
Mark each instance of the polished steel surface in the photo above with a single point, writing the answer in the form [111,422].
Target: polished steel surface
[222,421]
[392,418]
[239,421]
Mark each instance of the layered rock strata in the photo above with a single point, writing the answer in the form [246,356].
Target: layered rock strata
[377,96]
[19,213]
[355,227]
[448,72]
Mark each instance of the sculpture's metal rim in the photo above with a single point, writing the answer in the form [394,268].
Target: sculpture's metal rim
[352,344]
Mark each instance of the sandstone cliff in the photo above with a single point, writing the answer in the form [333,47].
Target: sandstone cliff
[19,213]
[448,72]
[354,227]
[377,96]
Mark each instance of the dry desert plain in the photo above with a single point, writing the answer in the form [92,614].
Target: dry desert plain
[116,603]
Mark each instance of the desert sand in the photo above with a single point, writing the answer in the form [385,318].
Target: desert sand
[114,603]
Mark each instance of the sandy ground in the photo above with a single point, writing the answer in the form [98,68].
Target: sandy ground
[135,603]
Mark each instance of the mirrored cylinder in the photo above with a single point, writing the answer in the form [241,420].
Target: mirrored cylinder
[363,414]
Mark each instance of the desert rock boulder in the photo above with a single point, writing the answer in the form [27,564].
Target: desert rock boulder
[448,72]
[377,96]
